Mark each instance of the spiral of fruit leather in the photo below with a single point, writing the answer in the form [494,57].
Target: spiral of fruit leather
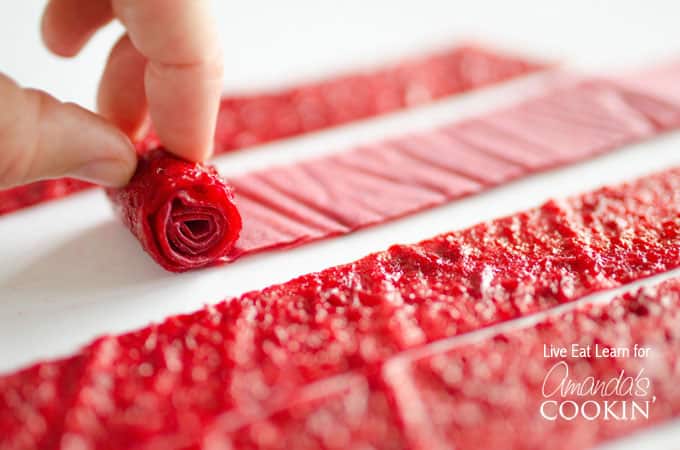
[183,213]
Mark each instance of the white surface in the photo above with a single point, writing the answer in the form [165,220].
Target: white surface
[69,271]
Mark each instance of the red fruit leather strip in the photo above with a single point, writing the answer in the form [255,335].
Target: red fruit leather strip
[340,412]
[656,80]
[20,197]
[182,213]
[164,385]
[481,395]
[340,193]
[254,119]
[336,194]
[489,393]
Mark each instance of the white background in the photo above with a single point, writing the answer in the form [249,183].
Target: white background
[69,271]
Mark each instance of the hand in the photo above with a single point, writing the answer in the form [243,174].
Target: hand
[167,66]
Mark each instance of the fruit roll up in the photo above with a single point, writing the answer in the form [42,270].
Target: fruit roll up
[182,213]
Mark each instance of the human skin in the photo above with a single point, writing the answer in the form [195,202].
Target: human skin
[166,69]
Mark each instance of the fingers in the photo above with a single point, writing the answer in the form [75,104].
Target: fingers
[122,97]
[41,137]
[183,78]
[183,103]
[67,25]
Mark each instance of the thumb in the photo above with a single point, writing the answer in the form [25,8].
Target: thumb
[41,137]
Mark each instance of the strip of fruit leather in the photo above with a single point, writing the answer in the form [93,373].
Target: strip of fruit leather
[501,391]
[253,119]
[164,386]
[574,380]
[342,192]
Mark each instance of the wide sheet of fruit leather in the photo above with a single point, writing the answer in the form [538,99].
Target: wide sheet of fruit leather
[264,364]
[249,120]
[490,392]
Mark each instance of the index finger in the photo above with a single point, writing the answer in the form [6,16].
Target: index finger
[183,77]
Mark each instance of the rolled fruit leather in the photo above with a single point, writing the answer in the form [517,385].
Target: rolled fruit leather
[183,213]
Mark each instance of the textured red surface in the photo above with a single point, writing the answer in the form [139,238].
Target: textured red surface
[339,193]
[21,197]
[489,393]
[372,184]
[245,121]
[182,213]
[249,120]
[300,365]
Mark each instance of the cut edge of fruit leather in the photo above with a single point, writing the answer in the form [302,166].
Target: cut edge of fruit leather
[254,357]
[249,120]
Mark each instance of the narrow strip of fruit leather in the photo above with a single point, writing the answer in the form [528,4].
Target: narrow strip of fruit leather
[372,184]
[245,363]
[244,121]
[508,391]
[254,119]
[339,193]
